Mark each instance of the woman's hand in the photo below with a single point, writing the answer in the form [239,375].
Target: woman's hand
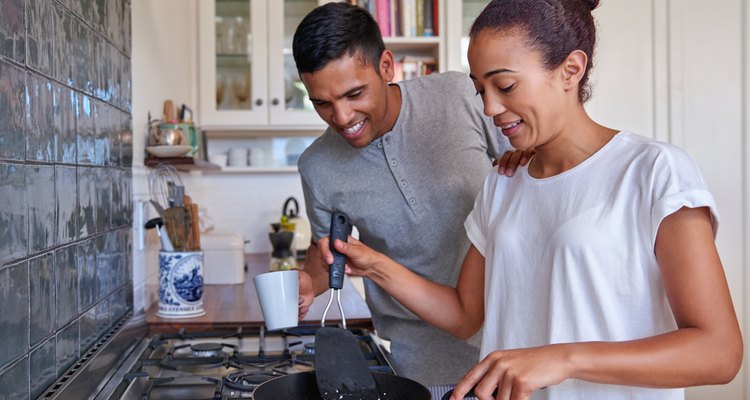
[360,259]
[509,162]
[516,374]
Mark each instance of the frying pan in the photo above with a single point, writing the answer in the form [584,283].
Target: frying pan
[303,386]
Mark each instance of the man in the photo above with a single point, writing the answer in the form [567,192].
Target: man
[405,162]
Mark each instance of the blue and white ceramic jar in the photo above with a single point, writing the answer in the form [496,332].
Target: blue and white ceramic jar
[180,284]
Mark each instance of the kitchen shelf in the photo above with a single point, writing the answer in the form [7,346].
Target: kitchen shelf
[186,164]
[254,170]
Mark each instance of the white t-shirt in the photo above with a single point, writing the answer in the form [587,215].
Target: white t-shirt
[570,258]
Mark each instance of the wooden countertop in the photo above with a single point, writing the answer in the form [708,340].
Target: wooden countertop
[230,306]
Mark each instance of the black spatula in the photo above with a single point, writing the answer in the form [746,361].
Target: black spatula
[340,366]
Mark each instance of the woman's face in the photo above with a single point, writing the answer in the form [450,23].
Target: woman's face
[525,99]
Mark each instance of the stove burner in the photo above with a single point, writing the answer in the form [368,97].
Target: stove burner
[309,348]
[248,380]
[207,349]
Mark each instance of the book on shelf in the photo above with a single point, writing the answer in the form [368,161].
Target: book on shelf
[404,18]
[410,67]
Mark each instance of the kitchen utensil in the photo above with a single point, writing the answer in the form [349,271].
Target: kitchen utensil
[158,224]
[180,284]
[304,386]
[169,112]
[340,229]
[178,220]
[278,293]
[159,179]
[340,367]
[447,396]
[281,256]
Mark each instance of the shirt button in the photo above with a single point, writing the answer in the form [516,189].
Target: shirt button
[380,145]
[394,163]
[412,201]
[404,184]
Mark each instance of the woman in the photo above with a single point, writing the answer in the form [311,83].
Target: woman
[593,270]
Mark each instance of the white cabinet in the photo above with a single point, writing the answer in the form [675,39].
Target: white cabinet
[247,77]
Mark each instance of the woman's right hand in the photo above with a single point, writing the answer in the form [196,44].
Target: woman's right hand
[360,259]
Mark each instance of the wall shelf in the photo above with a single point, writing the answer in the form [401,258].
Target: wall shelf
[185,164]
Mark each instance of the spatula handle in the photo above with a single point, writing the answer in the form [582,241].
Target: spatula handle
[340,229]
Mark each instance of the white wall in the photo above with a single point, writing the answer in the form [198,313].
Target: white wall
[674,70]
[164,67]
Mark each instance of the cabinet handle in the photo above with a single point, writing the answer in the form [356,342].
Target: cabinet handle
[275,102]
[259,102]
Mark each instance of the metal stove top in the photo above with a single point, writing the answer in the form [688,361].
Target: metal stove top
[220,365]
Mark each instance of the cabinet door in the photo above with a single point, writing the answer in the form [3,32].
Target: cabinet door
[461,15]
[289,102]
[233,63]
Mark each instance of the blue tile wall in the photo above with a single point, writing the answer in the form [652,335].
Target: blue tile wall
[40,189]
[43,365]
[14,383]
[12,112]
[13,30]
[14,308]
[43,319]
[65,184]
[42,139]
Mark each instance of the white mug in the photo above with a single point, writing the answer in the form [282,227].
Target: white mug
[238,157]
[278,293]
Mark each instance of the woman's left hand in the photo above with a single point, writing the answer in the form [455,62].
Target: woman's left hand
[516,374]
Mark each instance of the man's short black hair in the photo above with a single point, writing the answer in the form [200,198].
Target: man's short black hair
[333,30]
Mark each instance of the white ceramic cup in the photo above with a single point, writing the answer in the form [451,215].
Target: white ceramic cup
[238,157]
[278,293]
[219,159]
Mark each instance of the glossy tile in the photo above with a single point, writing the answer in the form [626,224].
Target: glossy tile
[102,318]
[14,381]
[87,274]
[126,141]
[88,326]
[103,126]
[62,52]
[12,112]
[66,279]
[14,217]
[115,137]
[86,201]
[118,202]
[67,348]
[100,70]
[39,36]
[127,85]
[42,139]
[103,199]
[43,320]
[64,103]
[113,27]
[126,36]
[14,309]
[103,267]
[13,30]
[43,368]
[99,16]
[40,187]
[86,134]
[112,73]
[82,55]
[68,215]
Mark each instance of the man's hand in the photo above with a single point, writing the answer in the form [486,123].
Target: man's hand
[509,162]
[313,280]
[306,294]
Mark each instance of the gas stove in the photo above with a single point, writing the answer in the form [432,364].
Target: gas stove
[211,365]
